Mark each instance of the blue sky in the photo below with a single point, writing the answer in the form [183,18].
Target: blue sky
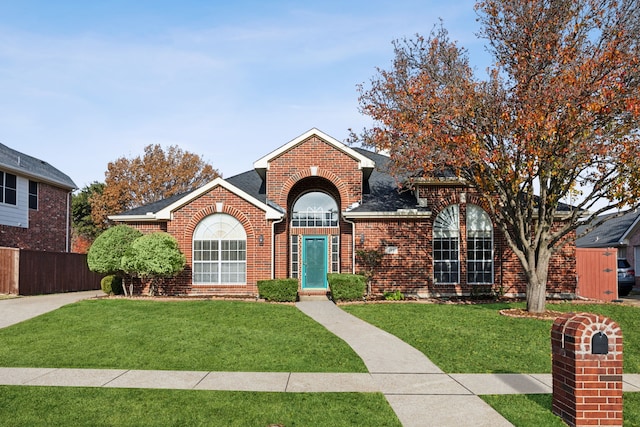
[83,83]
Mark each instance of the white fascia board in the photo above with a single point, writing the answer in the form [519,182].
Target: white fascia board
[386,215]
[165,214]
[363,162]
[629,231]
[133,218]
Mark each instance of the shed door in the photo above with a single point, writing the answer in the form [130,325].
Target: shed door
[597,273]
[314,262]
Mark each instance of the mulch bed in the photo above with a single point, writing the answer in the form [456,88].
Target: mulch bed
[522,313]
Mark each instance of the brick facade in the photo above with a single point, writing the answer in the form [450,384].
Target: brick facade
[316,162]
[49,226]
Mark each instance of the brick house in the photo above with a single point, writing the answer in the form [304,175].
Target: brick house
[307,207]
[35,203]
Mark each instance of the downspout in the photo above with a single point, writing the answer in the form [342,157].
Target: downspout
[273,246]
[68,223]
[353,244]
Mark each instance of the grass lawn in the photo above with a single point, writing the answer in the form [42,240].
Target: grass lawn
[182,335]
[58,406]
[534,410]
[477,339]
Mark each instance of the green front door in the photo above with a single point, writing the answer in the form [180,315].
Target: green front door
[314,262]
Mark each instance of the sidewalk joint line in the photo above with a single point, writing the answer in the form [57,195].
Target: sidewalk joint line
[115,378]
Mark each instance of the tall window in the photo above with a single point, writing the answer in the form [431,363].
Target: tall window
[219,251]
[33,195]
[8,189]
[295,256]
[315,209]
[479,246]
[335,254]
[446,246]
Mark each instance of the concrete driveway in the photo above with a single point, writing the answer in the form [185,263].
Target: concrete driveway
[15,310]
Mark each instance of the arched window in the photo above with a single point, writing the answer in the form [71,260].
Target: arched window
[479,246]
[446,246]
[315,209]
[219,251]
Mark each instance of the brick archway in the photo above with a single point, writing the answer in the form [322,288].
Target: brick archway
[334,179]
[210,210]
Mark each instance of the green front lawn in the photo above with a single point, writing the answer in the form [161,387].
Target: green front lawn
[533,410]
[178,335]
[72,406]
[477,339]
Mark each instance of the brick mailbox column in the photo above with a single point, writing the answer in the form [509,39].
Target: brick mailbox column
[587,370]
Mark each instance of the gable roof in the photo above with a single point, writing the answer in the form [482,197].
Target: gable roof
[364,162]
[24,165]
[163,209]
[610,230]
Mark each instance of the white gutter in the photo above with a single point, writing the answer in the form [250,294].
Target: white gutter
[353,243]
[400,213]
[273,246]
[68,222]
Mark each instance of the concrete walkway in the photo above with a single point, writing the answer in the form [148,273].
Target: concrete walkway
[417,390]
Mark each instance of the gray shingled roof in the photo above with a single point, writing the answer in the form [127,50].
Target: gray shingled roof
[380,192]
[609,230]
[22,164]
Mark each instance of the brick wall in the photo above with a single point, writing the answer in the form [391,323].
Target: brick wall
[332,165]
[183,225]
[411,268]
[49,225]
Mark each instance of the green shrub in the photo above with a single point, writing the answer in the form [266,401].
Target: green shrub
[280,290]
[347,287]
[105,254]
[393,295]
[154,256]
[111,284]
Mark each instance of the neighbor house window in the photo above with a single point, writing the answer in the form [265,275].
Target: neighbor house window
[33,195]
[315,209]
[479,246]
[8,189]
[446,246]
[219,251]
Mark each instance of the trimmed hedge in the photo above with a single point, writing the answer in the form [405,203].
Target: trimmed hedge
[347,287]
[111,284]
[279,290]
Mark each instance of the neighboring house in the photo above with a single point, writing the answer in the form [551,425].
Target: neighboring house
[35,203]
[619,230]
[309,206]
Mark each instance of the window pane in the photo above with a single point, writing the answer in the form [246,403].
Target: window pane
[220,256]
[315,209]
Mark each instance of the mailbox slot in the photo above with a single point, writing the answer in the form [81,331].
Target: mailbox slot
[599,344]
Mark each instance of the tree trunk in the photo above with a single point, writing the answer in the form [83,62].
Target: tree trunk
[536,297]
[537,282]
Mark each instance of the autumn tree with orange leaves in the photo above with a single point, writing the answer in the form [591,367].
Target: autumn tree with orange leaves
[559,111]
[158,174]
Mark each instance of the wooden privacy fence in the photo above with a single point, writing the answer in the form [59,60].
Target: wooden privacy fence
[597,273]
[24,272]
